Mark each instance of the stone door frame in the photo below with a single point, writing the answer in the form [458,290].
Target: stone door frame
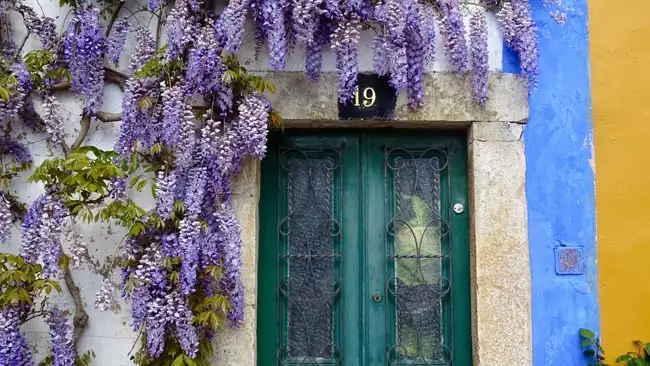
[500,265]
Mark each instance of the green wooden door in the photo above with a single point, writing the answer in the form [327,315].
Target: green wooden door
[362,258]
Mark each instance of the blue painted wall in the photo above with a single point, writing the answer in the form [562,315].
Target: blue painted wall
[560,186]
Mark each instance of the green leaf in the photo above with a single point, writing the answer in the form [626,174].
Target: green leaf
[269,86]
[141,185]
[623,358]
[188,361]
[228,76]
[134,181]
[586,333]
[589,353]
[4,94]
[585,343]
[179,361]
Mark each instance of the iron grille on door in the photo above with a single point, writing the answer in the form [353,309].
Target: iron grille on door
[310,256]
[417,255]
[359,248]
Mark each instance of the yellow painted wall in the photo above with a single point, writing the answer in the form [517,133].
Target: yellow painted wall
[620,76]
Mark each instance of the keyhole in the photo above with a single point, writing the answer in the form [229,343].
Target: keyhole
[376,297]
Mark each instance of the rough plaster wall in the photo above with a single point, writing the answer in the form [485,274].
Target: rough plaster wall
[109,334]
[620,89]
[560,187]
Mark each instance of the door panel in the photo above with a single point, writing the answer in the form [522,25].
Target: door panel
[359,247]
[303,269]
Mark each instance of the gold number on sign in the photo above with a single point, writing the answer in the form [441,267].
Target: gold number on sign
[369,97]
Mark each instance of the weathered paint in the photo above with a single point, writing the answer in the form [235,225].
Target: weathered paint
[560,187]
[620,89]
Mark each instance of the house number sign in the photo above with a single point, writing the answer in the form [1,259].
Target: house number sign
[374,100]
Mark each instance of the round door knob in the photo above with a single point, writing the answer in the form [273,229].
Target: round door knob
[376,297]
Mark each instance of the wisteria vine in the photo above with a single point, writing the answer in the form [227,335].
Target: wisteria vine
[191,115]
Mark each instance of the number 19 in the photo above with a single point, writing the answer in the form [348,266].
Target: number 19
[369,97]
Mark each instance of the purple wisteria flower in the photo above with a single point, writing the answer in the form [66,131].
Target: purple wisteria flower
[391,58]
[429,29]
[479,56]
[62,339]
[5,218]
[173,101]
[41,233]
[150,280]
[252,126]
[230,26]
[116,39]
[117,189]
[145,48]
[273,21]
[165,193]
[16,149]
[156,324]
[230,244]
[345,41]
[204,65]
[52,118]
[181,29]
[77,249]
[453,30]
[135,120]
[415,51]
[187,139]
[84,47]
[305,19]
[180,316]
[104,299]
[14,349]
[22,76]
[518,28]
[43,27]
[190,233]
[314,50]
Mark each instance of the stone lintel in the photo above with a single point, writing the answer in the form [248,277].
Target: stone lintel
[501,289]
[447,99]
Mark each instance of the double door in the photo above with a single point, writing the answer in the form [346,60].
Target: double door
[363,253]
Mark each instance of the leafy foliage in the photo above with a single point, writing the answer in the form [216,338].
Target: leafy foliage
[639,358]
[594,352]
[592,348]
[85,359]
[21,283]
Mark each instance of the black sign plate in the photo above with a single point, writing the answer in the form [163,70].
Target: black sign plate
[375,100]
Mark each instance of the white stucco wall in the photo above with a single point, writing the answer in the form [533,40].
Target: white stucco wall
[109,334]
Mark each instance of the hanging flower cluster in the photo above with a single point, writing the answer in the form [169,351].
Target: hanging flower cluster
[14,349]
[405,37]
[41,233]
[61,337]
[84,52]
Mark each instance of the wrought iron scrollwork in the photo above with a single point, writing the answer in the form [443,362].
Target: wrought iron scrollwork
[310,258]
[417,236]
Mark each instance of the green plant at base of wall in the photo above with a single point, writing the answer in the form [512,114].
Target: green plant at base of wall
[593,350]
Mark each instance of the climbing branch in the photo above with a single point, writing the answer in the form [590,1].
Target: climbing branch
[83,132]
[109,117]
[115,77]
[80,319]
[110,76]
